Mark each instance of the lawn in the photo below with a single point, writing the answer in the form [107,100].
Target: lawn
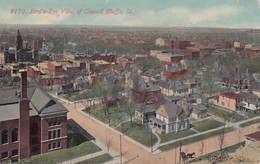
[251,114]
[99,159]
[250,123]
[175,135]
[207,124]
[231,117]
[63,154]
[195,139]
[114,117]
[138,133]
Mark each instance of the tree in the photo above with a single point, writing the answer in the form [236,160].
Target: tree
[147,63]
[202,147]
[130,110]
[108,142]
[221,136]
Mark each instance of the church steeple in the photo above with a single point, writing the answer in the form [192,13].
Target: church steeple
[19,41]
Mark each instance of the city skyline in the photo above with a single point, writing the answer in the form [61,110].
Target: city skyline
[166,13]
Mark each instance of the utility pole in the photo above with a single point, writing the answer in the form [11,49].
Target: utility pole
[180,152]
[151,140]
[120,149]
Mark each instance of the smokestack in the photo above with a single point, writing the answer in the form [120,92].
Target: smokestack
[24,83]
[24,120]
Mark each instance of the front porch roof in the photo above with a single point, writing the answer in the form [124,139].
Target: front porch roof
[156,120]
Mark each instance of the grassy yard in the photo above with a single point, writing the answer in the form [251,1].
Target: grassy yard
[114,117]
[173,135]
[231,117]
[99,159]
[64,154]
[138,133]
[207,124]
[251,114]
[250,123]
[194,139]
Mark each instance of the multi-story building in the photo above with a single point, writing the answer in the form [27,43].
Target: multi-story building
[228,100]
[31,122]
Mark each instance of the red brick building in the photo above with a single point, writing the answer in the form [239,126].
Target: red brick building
[55,68]
[176,44]
[147,93]
[31,122]
[33,72]
[174,73]
[53,80]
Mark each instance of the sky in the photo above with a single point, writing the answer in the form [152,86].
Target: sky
[162,13]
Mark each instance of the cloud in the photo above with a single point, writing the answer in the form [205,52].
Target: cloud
[174,16]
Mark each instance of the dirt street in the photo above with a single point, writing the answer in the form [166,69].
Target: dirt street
[132,153]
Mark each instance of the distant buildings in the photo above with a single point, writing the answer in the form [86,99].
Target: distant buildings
[20,53]
[31,122]
[166,56]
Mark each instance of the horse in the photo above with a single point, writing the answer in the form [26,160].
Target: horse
[190,155]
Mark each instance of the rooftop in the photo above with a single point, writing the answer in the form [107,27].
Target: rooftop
[231,95]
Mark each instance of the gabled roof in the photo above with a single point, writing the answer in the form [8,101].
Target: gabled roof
[45,105]
[40,104]
[170,110]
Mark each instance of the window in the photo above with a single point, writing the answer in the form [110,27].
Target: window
[54,145]
[59,133]
[15,152]
[54,134]
[59,144]
[14,135]
[4,136]
[4,154]
[49,135]
[58,121]
[49,122]
[49,146]
[54,121]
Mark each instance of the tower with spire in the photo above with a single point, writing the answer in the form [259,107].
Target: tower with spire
[19,41]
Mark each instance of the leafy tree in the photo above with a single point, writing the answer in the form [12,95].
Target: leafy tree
[147,63]
[130,110]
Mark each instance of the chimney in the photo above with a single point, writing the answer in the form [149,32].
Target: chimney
[24,120]
[24,83]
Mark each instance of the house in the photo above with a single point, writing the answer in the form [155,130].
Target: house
[180,90]
[193,85]
[169,118]
[174,72]
[228,100]
[144,112]
[199,111]
[252,137]
[237,81]
[255,88]
[146,93]
[250,102]
[31,122]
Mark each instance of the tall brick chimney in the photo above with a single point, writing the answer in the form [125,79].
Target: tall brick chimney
[24,120]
